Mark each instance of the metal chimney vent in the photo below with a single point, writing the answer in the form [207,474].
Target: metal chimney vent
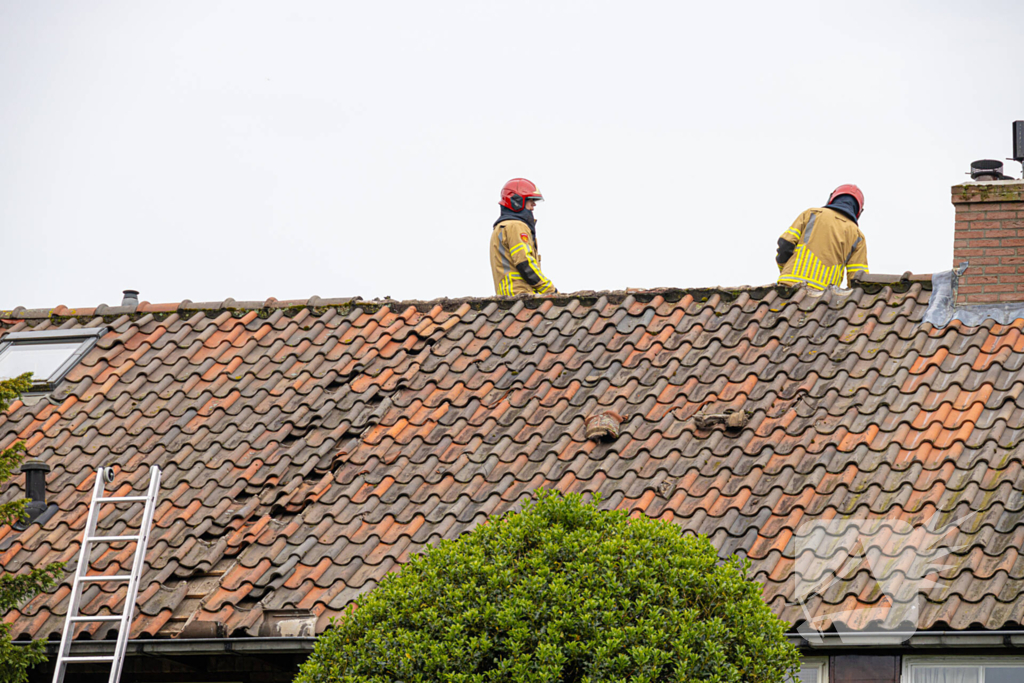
[131,297]
[987,169]
[1018,144]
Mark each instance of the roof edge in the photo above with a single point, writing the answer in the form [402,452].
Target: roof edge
[190,646]
[61,312]
[997,638]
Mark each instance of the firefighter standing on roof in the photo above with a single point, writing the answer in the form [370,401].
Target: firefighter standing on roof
[823,243]
[515,261]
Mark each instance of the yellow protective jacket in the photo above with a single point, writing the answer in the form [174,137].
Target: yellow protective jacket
[515,262]
[826,243]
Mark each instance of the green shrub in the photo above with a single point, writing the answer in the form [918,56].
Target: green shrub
[15,660]
[560,591]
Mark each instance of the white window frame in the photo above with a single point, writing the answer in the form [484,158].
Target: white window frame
[819,663]
[911,661]
[86,336]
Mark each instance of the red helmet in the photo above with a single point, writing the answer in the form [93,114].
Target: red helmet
[516,192]
[854,192]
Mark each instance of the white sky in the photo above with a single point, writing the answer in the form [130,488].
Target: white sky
[201,150]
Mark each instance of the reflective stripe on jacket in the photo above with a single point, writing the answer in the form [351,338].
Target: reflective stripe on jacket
[827,245]
[515,263]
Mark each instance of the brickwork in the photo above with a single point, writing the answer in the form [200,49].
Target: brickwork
[990,235]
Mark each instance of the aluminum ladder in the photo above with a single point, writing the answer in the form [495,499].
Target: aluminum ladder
[105,475]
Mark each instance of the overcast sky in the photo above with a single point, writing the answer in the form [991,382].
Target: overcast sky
[205,150]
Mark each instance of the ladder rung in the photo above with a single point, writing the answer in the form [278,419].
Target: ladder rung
[104,617]
[90,658]
[110,539]
[106,577]
[123,499]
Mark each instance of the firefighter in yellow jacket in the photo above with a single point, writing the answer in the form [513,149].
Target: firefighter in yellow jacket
[824,243]
[515,261]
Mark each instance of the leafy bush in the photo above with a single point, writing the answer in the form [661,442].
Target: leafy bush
[560,591]
[15,660]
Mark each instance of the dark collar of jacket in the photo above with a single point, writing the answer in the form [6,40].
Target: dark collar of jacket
[846,205]
[526,216]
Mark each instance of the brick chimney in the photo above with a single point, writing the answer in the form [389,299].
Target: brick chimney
[989,234]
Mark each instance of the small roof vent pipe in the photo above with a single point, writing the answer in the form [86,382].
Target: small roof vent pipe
[131,298]
[35,489]
[987,169]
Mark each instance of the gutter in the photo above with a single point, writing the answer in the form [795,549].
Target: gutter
[909,639]
[304,645]
[192,646]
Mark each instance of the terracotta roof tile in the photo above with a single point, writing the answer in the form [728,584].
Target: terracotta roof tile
[309,447]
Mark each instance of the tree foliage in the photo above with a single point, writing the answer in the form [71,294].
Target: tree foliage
[560,591]
[15,660]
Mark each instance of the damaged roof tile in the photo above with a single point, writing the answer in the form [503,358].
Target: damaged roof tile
[309,448]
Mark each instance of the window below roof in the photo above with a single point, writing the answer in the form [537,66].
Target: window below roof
[963,670]
[812,670]
[48,355]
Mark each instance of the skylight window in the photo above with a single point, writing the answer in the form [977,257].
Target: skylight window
[48,355]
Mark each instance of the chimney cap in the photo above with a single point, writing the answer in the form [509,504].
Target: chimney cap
[131,297]
[988,169]
[34,465]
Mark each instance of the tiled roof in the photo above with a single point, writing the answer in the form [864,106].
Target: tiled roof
[310,447]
